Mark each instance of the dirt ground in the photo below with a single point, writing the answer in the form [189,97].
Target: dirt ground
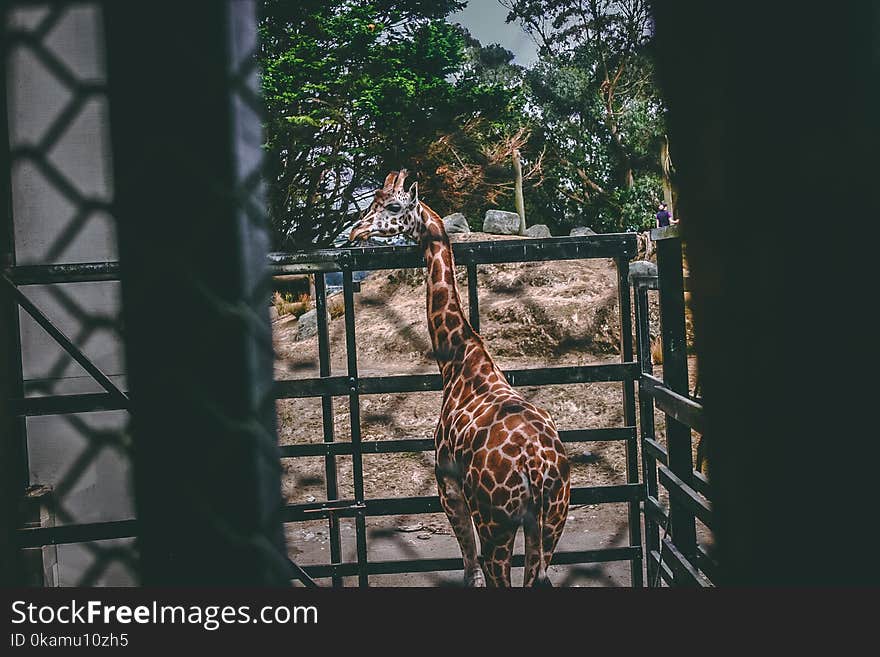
[532,315]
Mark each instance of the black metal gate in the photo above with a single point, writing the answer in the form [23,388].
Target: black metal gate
[619,247]
[673,551]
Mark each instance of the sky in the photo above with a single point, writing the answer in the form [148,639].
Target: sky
[484,19]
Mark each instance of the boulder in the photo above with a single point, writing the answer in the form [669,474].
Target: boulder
[538,230]
[641,268]
[307,325]
[500,222]
[580,231]
[456,223]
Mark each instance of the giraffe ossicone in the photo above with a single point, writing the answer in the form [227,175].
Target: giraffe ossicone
[500,464]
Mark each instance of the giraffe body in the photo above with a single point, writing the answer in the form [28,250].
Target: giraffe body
[500,464]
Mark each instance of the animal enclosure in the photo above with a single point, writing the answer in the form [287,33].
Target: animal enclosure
[351,385]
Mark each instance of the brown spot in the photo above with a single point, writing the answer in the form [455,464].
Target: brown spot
[452,321]
[486,480]
[494,460]
[510,449]
[440,298]
[499,496]
[512,422]
[497,436]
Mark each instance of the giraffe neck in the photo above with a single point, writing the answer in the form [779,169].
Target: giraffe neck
[449,328]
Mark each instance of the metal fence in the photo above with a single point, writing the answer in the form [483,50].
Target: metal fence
[621,248]
[673,552]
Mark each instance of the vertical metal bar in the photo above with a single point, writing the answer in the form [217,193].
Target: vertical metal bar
[355,413]
[646,422]
[13,439]
[193,241]
[327,419]
[629,413]
[473,299]
[675,375]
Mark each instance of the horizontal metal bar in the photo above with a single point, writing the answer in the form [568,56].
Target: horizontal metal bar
[367,447]
[681,566]
[64,404]
[609,245]
[371,258]
[64,342]
[685,495]
[665,570]
[681,408]
[72,273]
[81,533]
[666,233]
[395,506]
[656,511]
[701,484]
[707,565]
[338,386]
[427,444]
[656,450]
[349,569]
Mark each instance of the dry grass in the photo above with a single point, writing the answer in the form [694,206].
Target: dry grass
[286,305]
[657,351]
[336,306]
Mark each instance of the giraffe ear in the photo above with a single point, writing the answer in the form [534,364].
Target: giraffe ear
[414,193]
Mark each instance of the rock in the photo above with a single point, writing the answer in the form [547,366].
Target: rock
[500,222]
[580,231]
[641,268]
[411,528]
[456,223]
[537,231]
[424,537]
[307,325]
[310,499]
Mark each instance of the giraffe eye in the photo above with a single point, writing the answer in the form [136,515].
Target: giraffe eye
[393,207]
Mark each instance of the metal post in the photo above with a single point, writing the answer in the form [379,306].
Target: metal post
[646,424]
[195,290]
[327,419]
[629,413]
[354,406]
[13,452]
[675,375]
[473,299]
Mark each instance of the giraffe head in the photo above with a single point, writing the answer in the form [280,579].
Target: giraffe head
[394,211]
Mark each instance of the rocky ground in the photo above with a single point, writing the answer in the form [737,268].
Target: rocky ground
[532,315]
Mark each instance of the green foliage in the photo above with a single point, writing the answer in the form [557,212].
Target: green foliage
[596,109]
[355,88]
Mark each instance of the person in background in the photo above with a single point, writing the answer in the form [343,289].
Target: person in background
[664,218]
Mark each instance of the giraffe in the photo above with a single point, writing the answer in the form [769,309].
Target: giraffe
[499,461]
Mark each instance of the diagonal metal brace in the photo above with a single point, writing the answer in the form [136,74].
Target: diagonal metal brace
[298,573]
[66,343]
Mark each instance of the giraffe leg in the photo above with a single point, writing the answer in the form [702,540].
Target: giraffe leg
[453,502]
[554,524]
[497,549]
[534,545]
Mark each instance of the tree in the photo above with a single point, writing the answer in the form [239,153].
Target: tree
[356,88]
[597,105]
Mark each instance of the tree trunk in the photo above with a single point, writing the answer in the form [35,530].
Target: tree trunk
[666,166]
[518,192]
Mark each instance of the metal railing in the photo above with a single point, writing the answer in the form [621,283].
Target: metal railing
[326,386]
[672,549]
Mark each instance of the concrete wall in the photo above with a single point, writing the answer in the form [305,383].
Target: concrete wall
[58,216]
